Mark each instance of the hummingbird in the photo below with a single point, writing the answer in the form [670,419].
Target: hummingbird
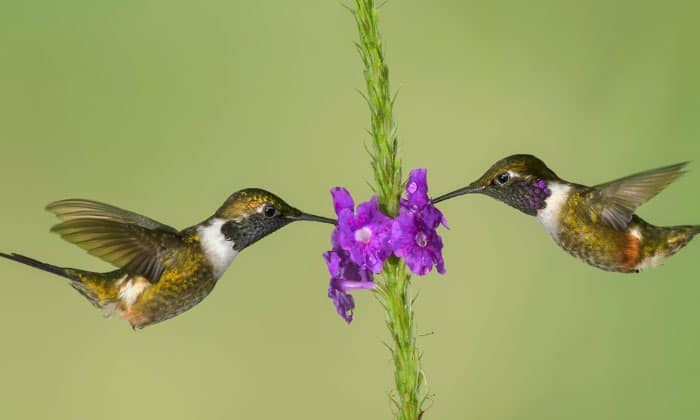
[162,272]
[598,224]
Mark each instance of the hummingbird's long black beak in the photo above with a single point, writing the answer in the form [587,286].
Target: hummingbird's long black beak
[312,218]
[470,189]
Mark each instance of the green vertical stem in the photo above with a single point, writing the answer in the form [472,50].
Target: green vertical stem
[394,294]
[384,150]
[393,288]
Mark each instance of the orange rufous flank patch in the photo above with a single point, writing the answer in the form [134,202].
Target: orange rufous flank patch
[631,252]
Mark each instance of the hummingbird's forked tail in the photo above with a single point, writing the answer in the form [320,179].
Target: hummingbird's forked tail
[94,287]
[60,271]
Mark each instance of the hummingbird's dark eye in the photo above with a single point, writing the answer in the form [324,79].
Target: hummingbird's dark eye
[502,179]
[270,211]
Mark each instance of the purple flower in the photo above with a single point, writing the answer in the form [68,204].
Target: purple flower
[345,276]
[364,235]
[360,246]
[344,303]
[364,238]
[414,237]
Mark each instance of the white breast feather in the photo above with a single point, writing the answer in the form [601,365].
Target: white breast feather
[218,250]
[636,233]
[132,289]
[550,216]
[651,262]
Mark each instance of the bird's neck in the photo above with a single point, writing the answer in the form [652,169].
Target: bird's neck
[216,247]
[550,215]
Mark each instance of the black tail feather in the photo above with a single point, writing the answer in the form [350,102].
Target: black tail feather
[37,264]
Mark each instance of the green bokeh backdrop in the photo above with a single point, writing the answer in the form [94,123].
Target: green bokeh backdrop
[165,107]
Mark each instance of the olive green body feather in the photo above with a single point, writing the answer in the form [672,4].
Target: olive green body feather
[595,224]
[162,271]
[185,280]
[639,245]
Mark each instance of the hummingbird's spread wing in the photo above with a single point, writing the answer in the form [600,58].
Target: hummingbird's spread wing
[615,202]
[128,240]
[87,209]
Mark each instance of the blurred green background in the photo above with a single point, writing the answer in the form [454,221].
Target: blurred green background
[166,107]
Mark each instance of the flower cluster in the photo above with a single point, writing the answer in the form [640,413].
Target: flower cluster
[365,238]
[413,234]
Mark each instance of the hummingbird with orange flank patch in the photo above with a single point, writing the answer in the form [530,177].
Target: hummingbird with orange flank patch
[162,272]
[594,224]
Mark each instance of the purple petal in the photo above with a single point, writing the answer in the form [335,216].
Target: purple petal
[414,239]
[348,285]
[342,268]
[431,217]
[344,303]
[335,243]
[342,200]
[333,260]
[366,235]
[367,212]
[417,188]
[402,233]
[436,254]
[345,229]
[419,261]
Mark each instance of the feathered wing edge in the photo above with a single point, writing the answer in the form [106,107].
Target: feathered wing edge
[621,198]
[123,238]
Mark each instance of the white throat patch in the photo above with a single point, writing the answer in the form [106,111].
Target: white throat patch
[218,250]
[550,216]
